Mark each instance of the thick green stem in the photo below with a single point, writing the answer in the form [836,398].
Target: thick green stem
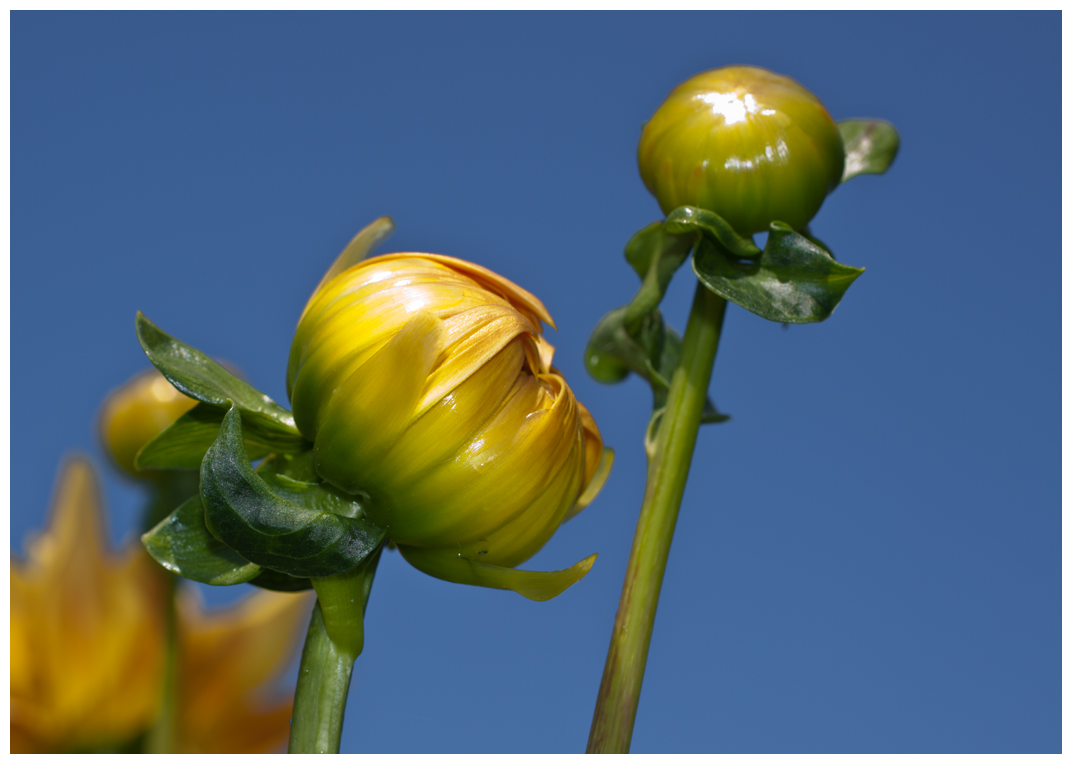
[335,639]
[668,468]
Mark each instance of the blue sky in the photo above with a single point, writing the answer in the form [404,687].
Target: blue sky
[868,556]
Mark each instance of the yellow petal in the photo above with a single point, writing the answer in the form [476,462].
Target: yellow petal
[227,658]
[495,475]
[535,585]
[524,535]
[522,299]
[596,483]
[87,629]
[376,403]
[439,433]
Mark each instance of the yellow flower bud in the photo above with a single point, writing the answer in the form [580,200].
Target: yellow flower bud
[425,385]
[136,413]
[750,145]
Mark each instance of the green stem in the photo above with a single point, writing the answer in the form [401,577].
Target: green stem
[668,468]
[168,491]
[162,736]
[335,639]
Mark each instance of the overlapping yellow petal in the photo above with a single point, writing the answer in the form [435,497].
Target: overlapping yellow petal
[88,644]
[425,384]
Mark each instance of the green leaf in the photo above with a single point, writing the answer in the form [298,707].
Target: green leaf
[652,353]
[245,512]
[182,445]
[182,543]
[199,377]
[695,220]
[655,255]
[279,582]
[635,337]
[870,146]
[794,280]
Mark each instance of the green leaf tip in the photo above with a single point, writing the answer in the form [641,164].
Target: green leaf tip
[870,145]
[795,280]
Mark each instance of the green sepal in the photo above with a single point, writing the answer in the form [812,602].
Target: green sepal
[655,255]
[696,220]
[535,585]
[870,146]
[182,445]
[652,352]
[196,375]
[182,544]
[794,280]
[280,582]
[359,248]
[246,513]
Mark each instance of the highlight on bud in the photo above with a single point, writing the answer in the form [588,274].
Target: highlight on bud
[426,387]
[136,413]
[750,145]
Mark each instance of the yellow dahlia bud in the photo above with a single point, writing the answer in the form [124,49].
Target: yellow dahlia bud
[750,145]
[136,413]
[425,385]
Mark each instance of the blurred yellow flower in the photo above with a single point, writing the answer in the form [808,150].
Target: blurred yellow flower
[136,413]
[88,637]
[425,385]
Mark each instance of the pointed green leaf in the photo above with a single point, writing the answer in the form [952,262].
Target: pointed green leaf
[182,544]
[695,220]
[182,445]
[794,280]
[199,377]
[245,512]
[535,585]
[870,146]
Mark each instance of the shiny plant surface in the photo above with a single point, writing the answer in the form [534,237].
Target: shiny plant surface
[750,145]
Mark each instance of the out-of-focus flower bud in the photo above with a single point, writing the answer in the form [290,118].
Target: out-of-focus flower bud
[136,413]
[750,145]
[89,644]
[425,385]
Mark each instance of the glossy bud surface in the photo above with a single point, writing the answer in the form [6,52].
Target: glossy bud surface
[425,385]
[747,144]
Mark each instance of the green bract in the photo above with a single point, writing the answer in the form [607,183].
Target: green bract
[748,144]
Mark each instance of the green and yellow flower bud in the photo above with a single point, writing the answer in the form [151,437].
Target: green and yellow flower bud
[426,386]
[136,413]
[747,144]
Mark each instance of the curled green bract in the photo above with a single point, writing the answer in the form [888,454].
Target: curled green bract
[794,280]
[242,511]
